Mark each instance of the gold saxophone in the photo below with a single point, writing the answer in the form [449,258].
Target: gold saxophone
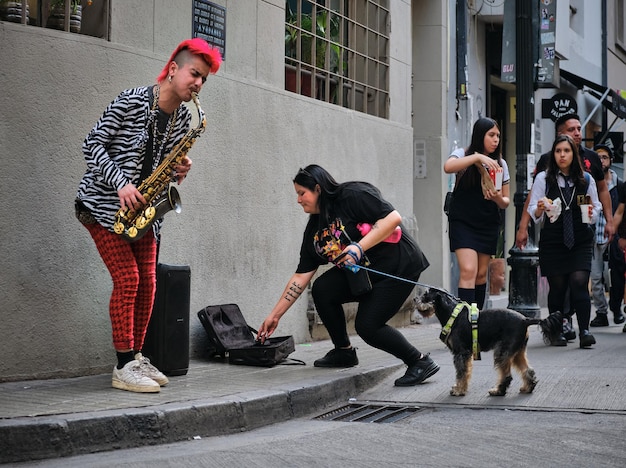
[133,224]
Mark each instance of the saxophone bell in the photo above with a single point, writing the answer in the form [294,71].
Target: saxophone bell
[168,202]
[162,205]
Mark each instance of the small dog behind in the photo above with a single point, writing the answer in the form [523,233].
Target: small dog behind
[502,330]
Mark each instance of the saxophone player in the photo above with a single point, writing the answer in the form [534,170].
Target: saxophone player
[138,129]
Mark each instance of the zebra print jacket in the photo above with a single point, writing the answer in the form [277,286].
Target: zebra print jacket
[114,151]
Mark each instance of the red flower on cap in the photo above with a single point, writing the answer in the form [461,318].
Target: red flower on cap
[196,46]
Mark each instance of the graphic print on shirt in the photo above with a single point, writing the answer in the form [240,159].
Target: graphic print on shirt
[330,241]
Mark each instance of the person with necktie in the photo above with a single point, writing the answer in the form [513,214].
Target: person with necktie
[558,197]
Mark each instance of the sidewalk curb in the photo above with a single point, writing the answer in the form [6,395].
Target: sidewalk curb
[23,439]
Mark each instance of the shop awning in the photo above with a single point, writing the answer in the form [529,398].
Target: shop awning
[609,98]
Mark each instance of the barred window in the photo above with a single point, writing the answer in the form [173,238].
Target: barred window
[88,17]
[337,51]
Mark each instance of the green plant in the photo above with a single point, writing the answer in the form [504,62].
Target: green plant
[60,4]
[323,39]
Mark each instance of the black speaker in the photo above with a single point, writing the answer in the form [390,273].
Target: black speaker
[167,338]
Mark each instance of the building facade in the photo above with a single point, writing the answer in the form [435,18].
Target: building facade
[378,99]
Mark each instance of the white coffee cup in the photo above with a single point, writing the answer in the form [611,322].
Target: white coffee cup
[585,211]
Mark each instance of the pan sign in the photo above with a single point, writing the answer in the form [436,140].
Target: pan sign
[558,105]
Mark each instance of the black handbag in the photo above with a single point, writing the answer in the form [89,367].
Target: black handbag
[358,281]
[447,204]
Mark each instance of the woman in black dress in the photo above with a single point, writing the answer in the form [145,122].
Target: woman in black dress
[565,259]
[474,218]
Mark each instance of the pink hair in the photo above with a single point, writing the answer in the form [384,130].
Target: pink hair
[196,46]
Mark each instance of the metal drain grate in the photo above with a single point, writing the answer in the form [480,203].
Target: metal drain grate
[356,412]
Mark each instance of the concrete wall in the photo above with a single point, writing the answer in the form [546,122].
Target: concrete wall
[240,228]
[432,48]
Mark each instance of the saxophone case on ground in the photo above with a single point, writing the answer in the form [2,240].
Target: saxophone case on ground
[232,338]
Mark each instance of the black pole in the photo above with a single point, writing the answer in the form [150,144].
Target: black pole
[524,263]
[461,50]
[605,48]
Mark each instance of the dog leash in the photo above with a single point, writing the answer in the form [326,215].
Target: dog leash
[472,309]
[355,269]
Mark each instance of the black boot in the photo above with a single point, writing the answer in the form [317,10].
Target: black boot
[586,339]
[601,320]
[568,330]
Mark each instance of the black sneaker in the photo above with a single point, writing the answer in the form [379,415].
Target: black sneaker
[558,340]
[619,318]
[418,372]
[338,358]
[601,320]
[586,339]
[568,331]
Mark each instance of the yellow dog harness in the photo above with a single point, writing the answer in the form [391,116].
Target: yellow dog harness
[473,318]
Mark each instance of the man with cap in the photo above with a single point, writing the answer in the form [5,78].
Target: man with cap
[602,246]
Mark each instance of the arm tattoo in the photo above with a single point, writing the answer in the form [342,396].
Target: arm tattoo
[293,292]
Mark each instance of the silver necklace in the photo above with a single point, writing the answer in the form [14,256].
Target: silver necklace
[159,139]
[571,199]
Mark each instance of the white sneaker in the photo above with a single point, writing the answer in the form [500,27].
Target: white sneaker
[131,378]
[150,371]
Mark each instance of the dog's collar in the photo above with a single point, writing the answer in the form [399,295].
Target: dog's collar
[473,318]
[443,336]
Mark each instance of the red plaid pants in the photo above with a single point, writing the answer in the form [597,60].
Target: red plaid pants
[133,270]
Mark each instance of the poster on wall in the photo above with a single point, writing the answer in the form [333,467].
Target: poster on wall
[508,73]
[209,23]
[546,75]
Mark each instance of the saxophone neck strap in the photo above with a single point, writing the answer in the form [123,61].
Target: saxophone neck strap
[148,158]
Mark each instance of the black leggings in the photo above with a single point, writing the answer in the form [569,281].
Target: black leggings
[580,303]
[375,309]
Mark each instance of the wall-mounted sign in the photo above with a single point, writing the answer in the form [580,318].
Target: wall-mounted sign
[546,75]
[209,23]
[558,105]
[508,73]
